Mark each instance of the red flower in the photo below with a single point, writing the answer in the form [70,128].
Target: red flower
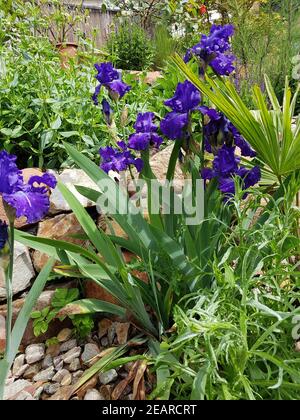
[203,9]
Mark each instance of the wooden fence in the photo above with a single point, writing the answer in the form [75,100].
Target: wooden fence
[97,24]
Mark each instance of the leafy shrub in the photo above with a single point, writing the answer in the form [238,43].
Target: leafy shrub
[130,47]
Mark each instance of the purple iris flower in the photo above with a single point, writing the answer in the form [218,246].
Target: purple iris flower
[225,163]
[220,130]
[107,111]
[146,133]
[3,234]
[185,100]
[215,50]
[111,79]
[28,199]
[118,159]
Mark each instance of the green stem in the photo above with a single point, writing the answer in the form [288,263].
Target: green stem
[9,290]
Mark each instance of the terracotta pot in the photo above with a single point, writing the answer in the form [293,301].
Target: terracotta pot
[67,51]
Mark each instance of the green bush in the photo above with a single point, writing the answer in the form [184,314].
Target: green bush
[131,48]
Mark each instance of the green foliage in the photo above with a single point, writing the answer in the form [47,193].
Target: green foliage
[234,341]
[164,45]
[130,47]
[42,319]
[83,325]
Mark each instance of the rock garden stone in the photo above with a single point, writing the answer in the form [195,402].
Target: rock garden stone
[38,393]
[68,345]
[14,388]
[34,353]
[24,395]
[57,361]
[44,375]
[67,379]
[71,355]
[53,350]
[32,370]
[64,335]
[21,371]
[70,178]
[51,389]
[47,362]
[23,271]
[108,377]
[18,363]
[61,227]
[77,375]
[104,341]
[74,365]
[93,394]
[58,377]
[90,351]
[106,391]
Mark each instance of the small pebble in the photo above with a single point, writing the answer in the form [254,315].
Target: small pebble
[58,377]
[34,353]
[67,379]
[38,393]
[74,365]
[51,389]
[32,370]
[56,361]
[108,377]
[77,375]
[47,362]
[93,394]
[44,375]
[68,345]
[90,351]
[21,371]
[18,363]
[64,335]
[53,350]
[71,355]
[104,341]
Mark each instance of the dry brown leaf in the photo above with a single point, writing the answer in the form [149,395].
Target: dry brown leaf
[139,383]
[119,389]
